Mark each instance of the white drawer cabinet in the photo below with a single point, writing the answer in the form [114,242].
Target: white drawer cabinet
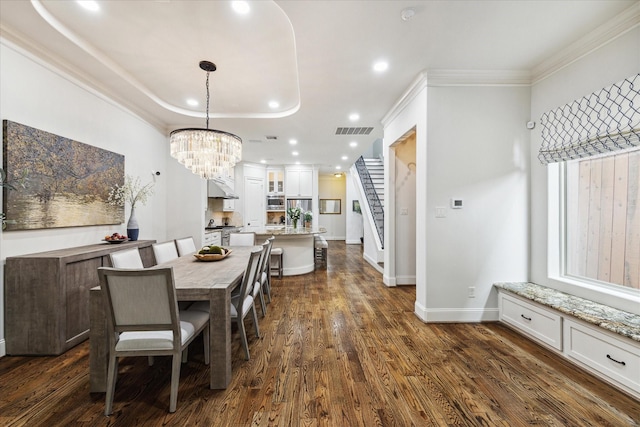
[538,322]
[213,238]
[614,359]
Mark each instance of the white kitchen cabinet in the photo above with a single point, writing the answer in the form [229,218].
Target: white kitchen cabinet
[299,183]
[213,238]
[275,181]
[228,205]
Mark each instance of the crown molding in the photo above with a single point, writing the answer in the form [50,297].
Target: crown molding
[437,78]
[25,47]
[605,33]
[453,78]
[409,95]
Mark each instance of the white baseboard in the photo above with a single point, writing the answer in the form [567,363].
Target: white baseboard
[373,263]
[456,315]
[405,280]
[3,348]
[353,242]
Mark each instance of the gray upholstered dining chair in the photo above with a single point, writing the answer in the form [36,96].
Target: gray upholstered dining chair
[128,258]
[242,303]
[242,239]
[143,320]
[257,290]
[265,271]
[186,246]
[165,251]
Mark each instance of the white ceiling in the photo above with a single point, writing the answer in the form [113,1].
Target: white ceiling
[314,57]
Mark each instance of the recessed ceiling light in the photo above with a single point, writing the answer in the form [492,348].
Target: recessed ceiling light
[274,104]
[293,141]
[297,163]
[344,157]
[353,144]
[263,161]
[91,5]
[407,13]
[192,102]
[354,116]
[380,66]
[338,167]
[241,7]
[294,153]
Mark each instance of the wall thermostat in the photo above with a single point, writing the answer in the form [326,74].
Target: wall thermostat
[456,203]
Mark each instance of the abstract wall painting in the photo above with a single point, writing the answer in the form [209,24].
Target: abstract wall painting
[65,183]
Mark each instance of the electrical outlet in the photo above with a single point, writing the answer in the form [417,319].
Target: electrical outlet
[472,291]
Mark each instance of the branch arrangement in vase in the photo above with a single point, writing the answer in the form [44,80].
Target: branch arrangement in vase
[132,192]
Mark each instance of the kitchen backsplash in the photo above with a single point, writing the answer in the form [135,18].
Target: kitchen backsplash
[214,211]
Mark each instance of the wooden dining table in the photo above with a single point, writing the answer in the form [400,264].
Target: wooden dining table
[194,281]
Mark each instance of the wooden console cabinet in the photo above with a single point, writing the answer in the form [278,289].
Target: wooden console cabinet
[47,296]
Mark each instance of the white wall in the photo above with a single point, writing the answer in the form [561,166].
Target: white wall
[471,143]
[354,221]
[608,64]
[330,187]
[35,96]
[404,181]
[477,150]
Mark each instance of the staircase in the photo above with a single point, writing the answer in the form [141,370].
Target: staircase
[376,172]
[373,191]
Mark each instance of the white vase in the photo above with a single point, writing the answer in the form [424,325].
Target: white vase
[132,226]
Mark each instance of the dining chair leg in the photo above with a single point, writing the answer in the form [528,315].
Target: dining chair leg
[243,337]
[255,320]
[266,289]
[263,304]
[112,374]
[175,379]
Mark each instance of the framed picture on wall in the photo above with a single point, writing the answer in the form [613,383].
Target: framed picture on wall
[66,183]
[356,206]
[330,206]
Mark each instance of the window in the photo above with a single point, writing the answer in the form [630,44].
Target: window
[602,219]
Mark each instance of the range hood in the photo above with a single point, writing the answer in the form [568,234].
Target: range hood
[217,189]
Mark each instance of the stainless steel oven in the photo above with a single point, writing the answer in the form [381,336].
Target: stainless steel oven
[275,203]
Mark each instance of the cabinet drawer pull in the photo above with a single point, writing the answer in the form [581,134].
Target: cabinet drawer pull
[617,361]
[525,317]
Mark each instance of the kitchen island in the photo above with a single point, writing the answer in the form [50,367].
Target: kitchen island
[297,247]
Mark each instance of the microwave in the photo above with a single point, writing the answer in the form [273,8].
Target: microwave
[275,203]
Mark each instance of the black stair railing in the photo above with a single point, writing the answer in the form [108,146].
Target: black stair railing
[372,198]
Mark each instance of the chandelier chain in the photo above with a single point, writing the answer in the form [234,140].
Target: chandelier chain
[208,99]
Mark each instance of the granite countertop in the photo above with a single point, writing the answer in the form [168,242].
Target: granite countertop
[618,321]
[289,231]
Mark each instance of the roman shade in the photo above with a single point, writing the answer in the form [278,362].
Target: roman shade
[605,121]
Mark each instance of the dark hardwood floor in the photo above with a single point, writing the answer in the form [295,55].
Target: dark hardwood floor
[338,349]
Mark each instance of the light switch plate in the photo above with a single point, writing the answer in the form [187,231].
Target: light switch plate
[441,212]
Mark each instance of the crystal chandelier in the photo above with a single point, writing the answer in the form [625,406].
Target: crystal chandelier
[210,153]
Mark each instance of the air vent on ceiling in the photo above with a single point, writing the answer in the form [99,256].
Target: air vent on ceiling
[255,141]
[271,137]
[354,131]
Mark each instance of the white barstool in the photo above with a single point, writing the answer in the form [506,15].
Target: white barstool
[321,246]
[276,255]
